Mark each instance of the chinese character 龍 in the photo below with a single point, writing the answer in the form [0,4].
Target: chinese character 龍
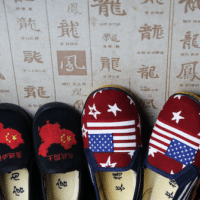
[115,7]
[147,72]
[31,92]
[30,55]
[106,63]
[27,23]
[187,40]
[67,29]
[146,31]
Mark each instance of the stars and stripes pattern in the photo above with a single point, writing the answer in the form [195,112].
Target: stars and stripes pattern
[112,136]
[177,144]
[111,127]
[175,140]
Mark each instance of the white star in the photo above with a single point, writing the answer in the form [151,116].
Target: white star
[177,117]
[172,172]
[152,151]
[131,100]
[84,130]
[131,153]
[94,111]
[177,96]
[96,93]
[108,163]
[113,109]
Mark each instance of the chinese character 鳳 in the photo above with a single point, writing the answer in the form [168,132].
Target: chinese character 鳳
[191,4]
[188,71]
[148,103]
[73,8]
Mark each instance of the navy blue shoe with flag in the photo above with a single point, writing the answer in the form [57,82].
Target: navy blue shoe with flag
[173,154]
[111,131]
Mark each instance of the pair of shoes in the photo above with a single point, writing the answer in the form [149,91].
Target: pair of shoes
[53,140]
[111,130]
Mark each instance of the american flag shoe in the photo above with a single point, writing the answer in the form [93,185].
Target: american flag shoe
[111,130]
[175,140]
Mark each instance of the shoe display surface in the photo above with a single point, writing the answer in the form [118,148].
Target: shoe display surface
[173,161]
[16,156]
[59,151]
[111,132]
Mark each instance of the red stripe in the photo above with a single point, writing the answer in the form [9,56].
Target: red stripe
[158,148]
[179,136]
[123,134]
[124,148]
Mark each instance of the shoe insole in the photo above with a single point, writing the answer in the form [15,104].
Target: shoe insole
[15,185]
[116,185]
[157,186]
[62,186]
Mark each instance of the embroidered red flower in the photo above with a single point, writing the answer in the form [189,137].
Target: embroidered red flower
[51,134]
[10,136]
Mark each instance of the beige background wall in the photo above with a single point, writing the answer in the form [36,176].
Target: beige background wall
[61,50]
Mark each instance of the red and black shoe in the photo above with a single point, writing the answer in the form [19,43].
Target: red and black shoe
[59,151]
[18,173]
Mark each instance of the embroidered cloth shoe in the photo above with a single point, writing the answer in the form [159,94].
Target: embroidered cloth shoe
[16,158]
[173,160]
[59,151]
[112,143]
